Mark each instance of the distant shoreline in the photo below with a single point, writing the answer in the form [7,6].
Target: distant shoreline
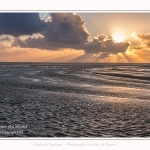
[73,63]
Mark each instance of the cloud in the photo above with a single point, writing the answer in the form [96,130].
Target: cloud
[6,38]
[17,24]
[101,38]
[40,43]
[103,44]
[137,47]
[59,31]
[66,28]
[145,38]
[96,46]
[2,46]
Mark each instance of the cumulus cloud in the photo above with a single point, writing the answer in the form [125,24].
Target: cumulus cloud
[66,28]
[17,24]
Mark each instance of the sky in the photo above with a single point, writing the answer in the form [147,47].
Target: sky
[75,37]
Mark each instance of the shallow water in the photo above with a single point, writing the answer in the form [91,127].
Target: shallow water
[80,100]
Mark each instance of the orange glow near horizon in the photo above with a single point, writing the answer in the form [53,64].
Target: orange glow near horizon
[70,55]
[37,55]
[16,54]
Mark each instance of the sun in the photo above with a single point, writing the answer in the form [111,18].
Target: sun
[118,38]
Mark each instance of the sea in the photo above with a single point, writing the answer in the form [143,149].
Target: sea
[95,100]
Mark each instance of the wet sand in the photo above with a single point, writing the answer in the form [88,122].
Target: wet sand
[75,100]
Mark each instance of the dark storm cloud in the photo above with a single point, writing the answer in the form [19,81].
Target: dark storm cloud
[66,28]
[17,24]
[63,30]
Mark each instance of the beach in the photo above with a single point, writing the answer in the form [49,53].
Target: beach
[74,100]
